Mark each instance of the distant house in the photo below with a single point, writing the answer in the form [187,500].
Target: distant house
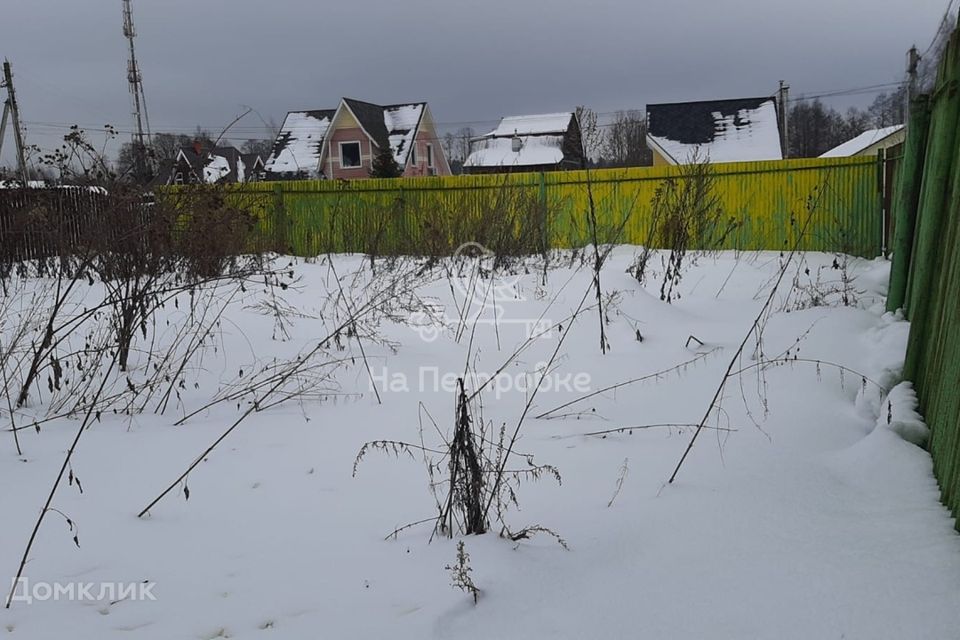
[547,142]
[254,167]
[739,130]
[343,143]
[869,142]
[201,164]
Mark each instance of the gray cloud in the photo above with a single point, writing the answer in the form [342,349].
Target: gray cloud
[473,61]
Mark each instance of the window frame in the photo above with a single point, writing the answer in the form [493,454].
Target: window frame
[430,158]
[359,164]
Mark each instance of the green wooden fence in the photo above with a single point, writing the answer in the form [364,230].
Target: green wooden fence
[925,275]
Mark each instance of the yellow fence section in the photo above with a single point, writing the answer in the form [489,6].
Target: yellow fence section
[769,201]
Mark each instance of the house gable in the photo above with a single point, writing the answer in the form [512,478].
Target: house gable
[346,128]
[426,136]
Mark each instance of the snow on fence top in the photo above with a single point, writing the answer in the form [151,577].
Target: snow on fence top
[861,142]
[739,130]
[15,184]
[298,145]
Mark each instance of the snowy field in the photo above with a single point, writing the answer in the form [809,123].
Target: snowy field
[803,510]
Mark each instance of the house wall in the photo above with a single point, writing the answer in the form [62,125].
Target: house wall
[427,135]
[345,128]
[659,160]
[440,166]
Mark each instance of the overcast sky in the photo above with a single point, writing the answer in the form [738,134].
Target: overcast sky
[202,60]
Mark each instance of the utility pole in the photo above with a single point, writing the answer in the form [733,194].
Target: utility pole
[783,97]
[913,66]
[141,135]
[10,108]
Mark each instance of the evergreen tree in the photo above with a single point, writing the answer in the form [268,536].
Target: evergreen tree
[384,165]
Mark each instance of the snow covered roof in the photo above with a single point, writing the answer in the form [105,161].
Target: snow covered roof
[402,121]
[297,147]
[498,152]
[556,123]
[541,141]
[219,164]
[861,142]
[739,130]
[392,125]
[216,169]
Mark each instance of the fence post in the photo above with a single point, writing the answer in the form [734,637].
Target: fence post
[545,214]
[279,220]
[906,198]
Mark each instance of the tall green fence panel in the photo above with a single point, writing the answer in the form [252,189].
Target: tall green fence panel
[930,297]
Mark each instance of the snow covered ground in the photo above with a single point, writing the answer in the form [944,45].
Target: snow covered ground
[811,517]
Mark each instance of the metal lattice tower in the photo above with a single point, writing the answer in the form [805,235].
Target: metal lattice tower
[141,135]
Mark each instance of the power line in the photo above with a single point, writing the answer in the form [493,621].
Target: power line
[943,23]
[192,129]
[877,88]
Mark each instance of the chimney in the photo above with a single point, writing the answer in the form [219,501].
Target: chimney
[517,143]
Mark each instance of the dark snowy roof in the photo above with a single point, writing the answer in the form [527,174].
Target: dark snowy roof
[370,117]
[724,130]
[216,164]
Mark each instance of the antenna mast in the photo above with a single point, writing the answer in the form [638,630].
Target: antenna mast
[141,135]
[10,108]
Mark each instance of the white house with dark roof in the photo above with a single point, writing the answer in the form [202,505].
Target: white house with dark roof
[869,142]
[545,142]
[739,130]
[342,143]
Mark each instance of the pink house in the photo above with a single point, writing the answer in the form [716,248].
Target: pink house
[344,145]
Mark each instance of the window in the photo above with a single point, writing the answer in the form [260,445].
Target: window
[178,179]
[349,155]
[430,155]
[413,153]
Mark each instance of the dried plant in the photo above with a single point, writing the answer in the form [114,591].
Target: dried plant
[460,573]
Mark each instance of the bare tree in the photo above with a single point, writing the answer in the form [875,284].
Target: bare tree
[625,141]
[591,134]
[463,135]
[260,146]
